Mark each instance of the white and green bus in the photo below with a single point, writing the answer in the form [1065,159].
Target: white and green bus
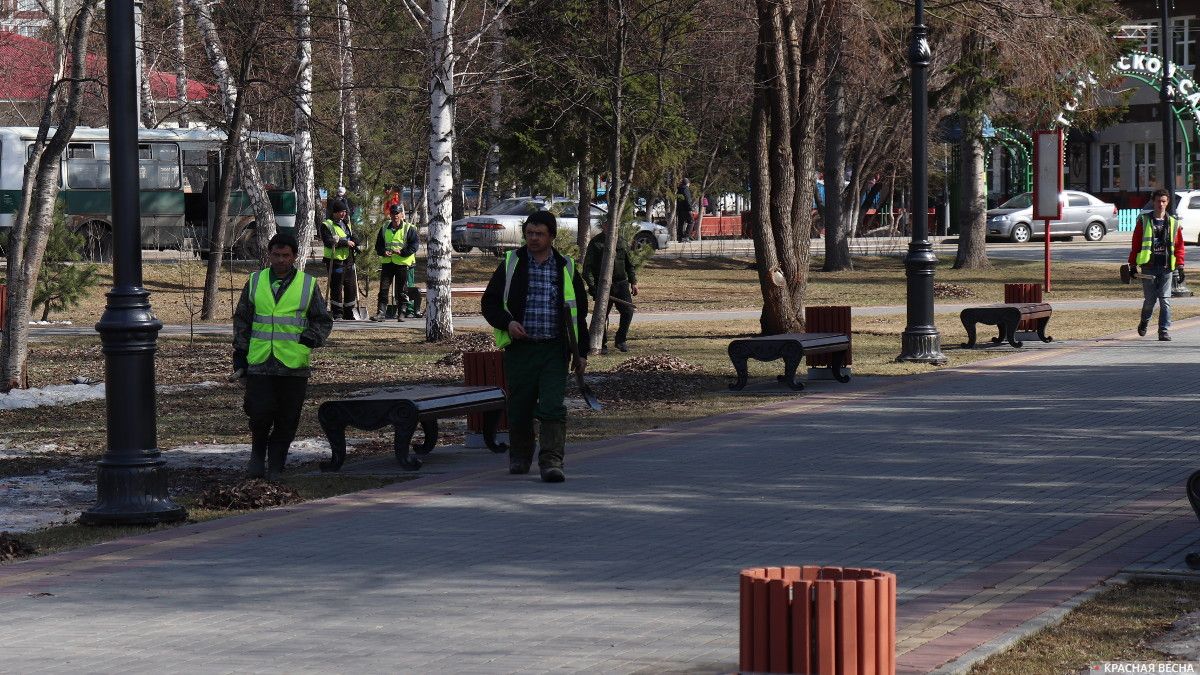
[175,189]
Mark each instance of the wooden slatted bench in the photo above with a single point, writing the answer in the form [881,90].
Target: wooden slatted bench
[792,348]
[1006,317]
[403,408]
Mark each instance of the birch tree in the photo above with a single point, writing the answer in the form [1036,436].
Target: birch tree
[228,89]
[179,48]
[349,102]
[444,57]
[39,194]
[302,145]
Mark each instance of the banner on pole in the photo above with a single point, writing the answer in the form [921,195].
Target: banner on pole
[1048,174]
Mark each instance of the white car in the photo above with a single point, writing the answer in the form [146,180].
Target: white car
[1187,209]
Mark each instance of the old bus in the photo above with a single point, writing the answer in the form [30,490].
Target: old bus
[175,190]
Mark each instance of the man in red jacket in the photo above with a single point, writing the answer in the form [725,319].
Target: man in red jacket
[1158,249]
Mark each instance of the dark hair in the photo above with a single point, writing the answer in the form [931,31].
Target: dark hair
[541,218]
[1160,192]
[284,238]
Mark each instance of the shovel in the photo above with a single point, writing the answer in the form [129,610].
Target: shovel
[1127,276]
[576,362]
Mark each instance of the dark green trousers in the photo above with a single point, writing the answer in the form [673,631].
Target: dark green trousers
[536,376]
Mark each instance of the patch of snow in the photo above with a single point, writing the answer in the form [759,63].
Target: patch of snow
[66,394]
[33,502]
[50,323]
[235,455]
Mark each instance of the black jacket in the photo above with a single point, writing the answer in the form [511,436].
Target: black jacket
[493,297]
[328,239]
[412,241]
[623,269]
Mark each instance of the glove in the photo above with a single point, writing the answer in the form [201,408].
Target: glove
[1178,275]
[308,341]
[239,360]
[1133,269]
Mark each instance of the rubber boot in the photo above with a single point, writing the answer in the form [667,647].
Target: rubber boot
[381,314]
[520,450]
[258,459]
[550,458]
[276,457]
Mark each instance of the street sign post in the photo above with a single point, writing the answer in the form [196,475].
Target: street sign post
[1047,184]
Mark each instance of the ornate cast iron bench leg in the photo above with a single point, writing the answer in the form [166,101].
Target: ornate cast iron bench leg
[969,325]
[491,422]
[404,422]
[790,363]
[1193,495]
[1009,330]
[430,429]
[1041,329]
[333,422]
[837,362]
[743,373]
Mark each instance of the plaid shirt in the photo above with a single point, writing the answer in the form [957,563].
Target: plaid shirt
[541,304]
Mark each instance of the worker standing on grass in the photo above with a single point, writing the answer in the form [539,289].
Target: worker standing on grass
[622,290]
[280,318]
[396,244]
[1158,248]
[532,300]
[341,246]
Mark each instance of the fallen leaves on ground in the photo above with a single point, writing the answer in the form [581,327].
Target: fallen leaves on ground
[655,363]
[462,343]
[942,290]
[251,494]
[12,548]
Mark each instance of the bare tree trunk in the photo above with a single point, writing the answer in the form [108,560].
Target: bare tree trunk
[837,243]
[264,213]
[216,241]
[181,81]
[349,99]
[439,317]
[612,223]
[302,147]
[31,231]
[972,231]
[583,227]
[457,202]
[146,115]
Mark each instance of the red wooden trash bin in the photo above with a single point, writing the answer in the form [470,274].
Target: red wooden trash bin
[828,319]
[815,619]
[1024,293]
[484,369]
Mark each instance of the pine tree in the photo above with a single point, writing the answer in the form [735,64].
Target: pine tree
[62,280]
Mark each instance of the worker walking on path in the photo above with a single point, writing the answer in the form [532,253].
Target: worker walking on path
[532,301]
[280,318]
[341,246]
[1158,249]
[396,244]
[620,292]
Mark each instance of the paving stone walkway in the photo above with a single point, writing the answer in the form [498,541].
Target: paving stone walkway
[994,491]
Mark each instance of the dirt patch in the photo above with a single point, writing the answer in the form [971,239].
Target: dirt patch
[251,494]
[656,363]
[12,548]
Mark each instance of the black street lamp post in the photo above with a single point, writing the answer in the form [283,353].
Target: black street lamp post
[131,480]
[920,342]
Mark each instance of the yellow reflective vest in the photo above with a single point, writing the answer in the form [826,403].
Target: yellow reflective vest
[503,339]
[341,252]
[1147,223]
[395,240]
[278,323]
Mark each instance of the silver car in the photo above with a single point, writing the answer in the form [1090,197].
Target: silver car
[1082,214]
[497,229]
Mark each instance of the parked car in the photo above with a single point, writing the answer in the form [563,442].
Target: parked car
[1082,214]
[651,234]
[1187,209]
[497,229]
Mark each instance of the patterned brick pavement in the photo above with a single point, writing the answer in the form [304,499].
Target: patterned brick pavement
[995,492]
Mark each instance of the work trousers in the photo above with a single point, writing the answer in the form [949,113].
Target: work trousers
[1157,289]
[343,290]
[273,404]
[391,274]
[620,291]
[683,217]
[536,376]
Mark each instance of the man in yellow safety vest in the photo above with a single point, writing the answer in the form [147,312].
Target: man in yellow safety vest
[280,318]
[341,247]
[396,245]
[531,300]
[1157,247]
